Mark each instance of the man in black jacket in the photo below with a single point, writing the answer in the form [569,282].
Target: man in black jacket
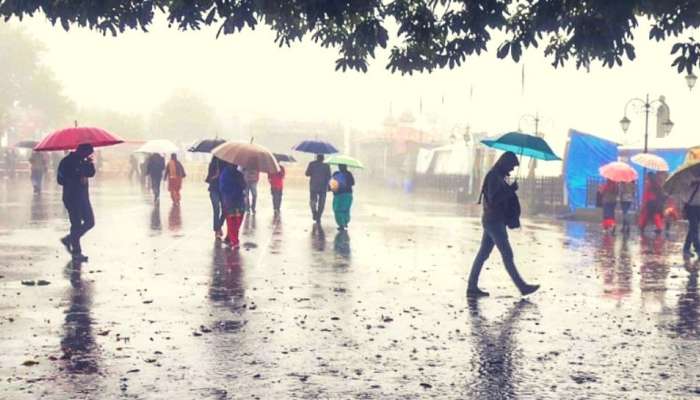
[499,198]
[73,173]
[154,169]
[319,174]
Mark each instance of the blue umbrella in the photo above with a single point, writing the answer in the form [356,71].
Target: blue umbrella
[524,145]
[315,147]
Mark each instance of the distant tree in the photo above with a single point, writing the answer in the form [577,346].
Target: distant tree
[430,33]
[26,86]
[128,126]
[184,117]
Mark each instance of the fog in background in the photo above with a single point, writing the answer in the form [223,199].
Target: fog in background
[246,77]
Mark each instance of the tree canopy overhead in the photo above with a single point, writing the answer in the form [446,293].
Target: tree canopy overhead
[430,34]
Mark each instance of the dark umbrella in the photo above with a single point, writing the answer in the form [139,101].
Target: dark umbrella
[315,147]
[206,145]
[524,145]
[284,157]
[27,144]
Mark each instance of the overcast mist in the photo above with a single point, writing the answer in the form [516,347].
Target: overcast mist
[247,76]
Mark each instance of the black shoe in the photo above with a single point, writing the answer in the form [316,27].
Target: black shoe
[65,241]
[529,289]
[476,293]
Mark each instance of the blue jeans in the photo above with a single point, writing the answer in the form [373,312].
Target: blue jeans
[81,217]
[215,198]
[495,234]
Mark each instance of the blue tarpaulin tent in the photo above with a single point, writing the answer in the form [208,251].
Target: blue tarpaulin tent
[585,154]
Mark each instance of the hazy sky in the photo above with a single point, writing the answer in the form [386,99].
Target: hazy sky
[246,76]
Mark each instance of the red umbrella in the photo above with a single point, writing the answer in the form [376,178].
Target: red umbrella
[70,138]
[618,171]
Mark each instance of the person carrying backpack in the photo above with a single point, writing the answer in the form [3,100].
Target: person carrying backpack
[501,210]
[341,184]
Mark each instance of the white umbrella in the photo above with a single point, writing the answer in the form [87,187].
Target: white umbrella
[650,161]
[158,146]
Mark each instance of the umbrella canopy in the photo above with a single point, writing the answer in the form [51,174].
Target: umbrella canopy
[524,145]
[284,157]
[70,138]
[339,159]
[205,145]
[247,155]
[618,171]
[158,146]
[650,161]
[683,176]
[315,147]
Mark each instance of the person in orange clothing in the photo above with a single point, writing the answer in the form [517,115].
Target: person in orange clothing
[174,173]
[652,204]
[609,192]
[276,186]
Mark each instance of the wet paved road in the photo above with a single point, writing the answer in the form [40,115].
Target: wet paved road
[161,312]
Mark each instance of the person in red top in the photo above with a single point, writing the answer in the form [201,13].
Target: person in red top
[652,204]
[608,193]
[276,187]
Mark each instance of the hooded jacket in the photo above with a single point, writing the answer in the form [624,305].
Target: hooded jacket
[497,193]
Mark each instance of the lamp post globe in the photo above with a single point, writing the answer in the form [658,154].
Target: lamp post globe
[625,124]
[668,125]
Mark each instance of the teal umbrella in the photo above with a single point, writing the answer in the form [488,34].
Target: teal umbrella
[523,144]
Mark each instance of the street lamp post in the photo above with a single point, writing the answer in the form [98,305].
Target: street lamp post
[647,106]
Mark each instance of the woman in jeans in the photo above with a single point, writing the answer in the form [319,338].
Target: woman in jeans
[628,191]
[215,195]
[497,195]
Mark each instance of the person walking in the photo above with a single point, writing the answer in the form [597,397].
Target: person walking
[39,166]
[628,192]
[212,179]
[154,169]
[499,205]
[73,173]
[319,174]
[252,176]
[652,204]
[341,184]
[690,198]
[232,187]
[276,187]
[133,167]
[174,174]
[609,193]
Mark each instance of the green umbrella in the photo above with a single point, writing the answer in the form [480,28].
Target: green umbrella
[344,160]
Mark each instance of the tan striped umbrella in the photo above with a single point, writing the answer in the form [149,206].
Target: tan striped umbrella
[247,155]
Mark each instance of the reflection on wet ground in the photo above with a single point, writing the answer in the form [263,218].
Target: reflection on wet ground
[306,311]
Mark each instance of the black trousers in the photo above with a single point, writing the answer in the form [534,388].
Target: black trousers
[81,218]
[317,202]
[692,239]
[155,185]
[276,199]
